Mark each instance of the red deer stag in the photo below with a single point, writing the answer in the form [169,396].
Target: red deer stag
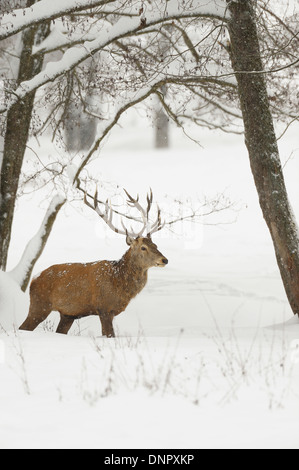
[102,288]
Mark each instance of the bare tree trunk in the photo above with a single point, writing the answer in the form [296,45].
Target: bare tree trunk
[262,146]
[162,129]
[16,136]
[72,127]
[161,125]
[81,127]
[161,118]
[22,272]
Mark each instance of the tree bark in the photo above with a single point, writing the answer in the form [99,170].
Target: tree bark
[17,131]
[262,146]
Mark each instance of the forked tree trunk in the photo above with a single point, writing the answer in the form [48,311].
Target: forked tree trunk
[262,146]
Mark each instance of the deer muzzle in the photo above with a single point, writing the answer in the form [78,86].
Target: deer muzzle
[162,263]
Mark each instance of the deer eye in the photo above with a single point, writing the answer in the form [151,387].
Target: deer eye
[143,248]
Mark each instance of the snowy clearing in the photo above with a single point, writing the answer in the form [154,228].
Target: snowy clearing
[205,356]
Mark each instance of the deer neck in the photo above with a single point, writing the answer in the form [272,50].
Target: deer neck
[131,269]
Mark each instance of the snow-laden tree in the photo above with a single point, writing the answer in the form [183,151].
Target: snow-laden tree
[16,124]
[216,69]
[52,43]
[262,146]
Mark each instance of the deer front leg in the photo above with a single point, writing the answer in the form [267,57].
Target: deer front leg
[64,324]
[106,322]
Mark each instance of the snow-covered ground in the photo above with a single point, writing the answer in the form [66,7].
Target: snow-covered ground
[205,356]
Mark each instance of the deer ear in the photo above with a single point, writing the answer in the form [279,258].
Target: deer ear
[129,240]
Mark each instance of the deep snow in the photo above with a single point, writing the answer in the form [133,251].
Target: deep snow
[205,356]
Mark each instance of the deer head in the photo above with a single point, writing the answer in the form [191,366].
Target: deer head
[140,242]
[146,253]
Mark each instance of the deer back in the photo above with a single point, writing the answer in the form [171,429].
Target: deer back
[78,289]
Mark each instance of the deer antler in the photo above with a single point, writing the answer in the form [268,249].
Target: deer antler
[107,215]
[158,225]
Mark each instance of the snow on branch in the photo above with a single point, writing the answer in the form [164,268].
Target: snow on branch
[130,99]
[22,272]
[124,27]
[21,18]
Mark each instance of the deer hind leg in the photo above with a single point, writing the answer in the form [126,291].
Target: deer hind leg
[106,322]
[64,324]
[36,316]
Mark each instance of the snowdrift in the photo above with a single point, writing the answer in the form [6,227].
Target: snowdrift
[13,303]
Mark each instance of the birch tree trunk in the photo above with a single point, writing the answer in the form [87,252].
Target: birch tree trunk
[17,131]
[262,146]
